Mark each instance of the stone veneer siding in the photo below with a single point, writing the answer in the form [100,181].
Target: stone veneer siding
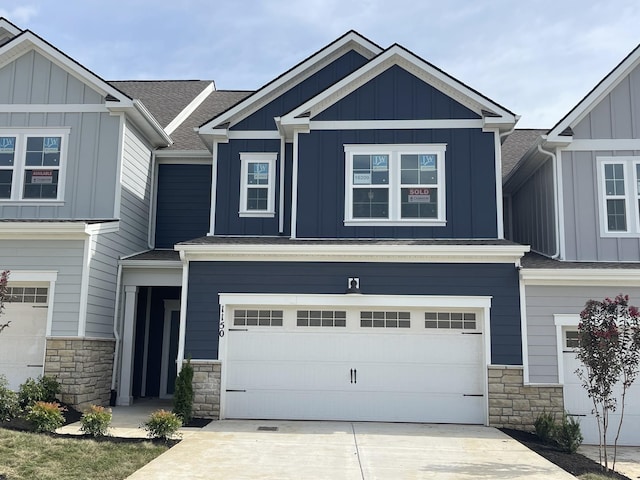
[515,405]
[206,389]
[83,367]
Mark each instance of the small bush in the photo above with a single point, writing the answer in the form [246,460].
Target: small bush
[183,395]
[162,424]
[568,435]
[545,425]
[9,404]
[96,421]
[44,389]
[46,416]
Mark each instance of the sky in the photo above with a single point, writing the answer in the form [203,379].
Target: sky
[536,58]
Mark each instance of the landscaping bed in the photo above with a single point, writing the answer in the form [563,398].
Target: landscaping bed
[574,463]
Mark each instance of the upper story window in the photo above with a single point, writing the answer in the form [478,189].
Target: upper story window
[395,184]
[619,185]
[31,164]
[257,184]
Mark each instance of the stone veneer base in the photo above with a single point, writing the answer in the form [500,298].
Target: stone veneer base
[206,389]
[83,367]
[515,405]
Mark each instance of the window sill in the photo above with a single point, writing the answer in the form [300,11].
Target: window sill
[619,234]
[257,214]
[394,223]
[48,203]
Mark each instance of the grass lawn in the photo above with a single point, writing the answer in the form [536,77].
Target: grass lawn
[42,457]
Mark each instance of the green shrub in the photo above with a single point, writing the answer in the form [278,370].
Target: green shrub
[545,425]
[44,389]
[96,421]
[567,434]
[46,416]
[9,404]
[183,394]
[162,424]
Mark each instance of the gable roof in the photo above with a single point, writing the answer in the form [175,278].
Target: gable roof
[115,99]
[492,112]
[293,76]
[597,93]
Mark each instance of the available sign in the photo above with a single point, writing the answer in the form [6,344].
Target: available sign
[419,195]
[42,176]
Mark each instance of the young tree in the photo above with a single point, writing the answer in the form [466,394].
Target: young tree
[609,333]
[4,290]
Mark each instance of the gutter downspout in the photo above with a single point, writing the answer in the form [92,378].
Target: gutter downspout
[116,334]
[554,161]
[499,183]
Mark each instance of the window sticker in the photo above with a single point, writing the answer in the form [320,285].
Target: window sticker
[362,179]
[7,144]
[51,145]
[261,171]
[42,176]
[427,162]
[419,195]
[380,163]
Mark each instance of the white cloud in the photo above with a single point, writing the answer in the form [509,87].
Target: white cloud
[19,15]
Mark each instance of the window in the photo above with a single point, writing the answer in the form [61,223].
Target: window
[450,320]
[257,192]
[395,184]
[385,319]
[31,164]
[571,339]
[262,318]
[620,195]
[27,294]
[321,318]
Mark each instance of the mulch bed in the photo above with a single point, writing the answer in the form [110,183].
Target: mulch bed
[574,463]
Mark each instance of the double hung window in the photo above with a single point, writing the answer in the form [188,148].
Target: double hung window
[620,195]
[395,184]
[257,180]
[31,165]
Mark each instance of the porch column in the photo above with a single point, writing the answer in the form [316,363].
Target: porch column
[128,345]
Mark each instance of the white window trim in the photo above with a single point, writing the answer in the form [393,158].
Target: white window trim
[251,157]
[394,186]
[19,167]
[631,195]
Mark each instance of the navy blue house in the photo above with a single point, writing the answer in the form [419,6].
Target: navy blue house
[341,250]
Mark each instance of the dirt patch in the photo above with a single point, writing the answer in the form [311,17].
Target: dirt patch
[574,463]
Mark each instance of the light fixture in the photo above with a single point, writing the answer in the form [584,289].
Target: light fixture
[353,285]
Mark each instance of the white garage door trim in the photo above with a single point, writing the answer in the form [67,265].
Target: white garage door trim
[479,303]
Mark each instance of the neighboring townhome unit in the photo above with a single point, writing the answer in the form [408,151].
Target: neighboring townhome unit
[572,193]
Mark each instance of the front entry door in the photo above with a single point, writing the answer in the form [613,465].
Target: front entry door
[170,348]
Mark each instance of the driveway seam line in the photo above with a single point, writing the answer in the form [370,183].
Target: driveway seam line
[355,441]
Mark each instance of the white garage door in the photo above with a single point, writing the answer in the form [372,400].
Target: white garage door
[22,344]
[576,402]
[353,364]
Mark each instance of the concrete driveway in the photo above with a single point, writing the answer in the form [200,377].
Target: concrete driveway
[342,450]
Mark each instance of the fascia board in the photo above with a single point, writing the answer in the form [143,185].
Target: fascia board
[143,119]
[389,57]
[601,90]
[28,40]
[102,228]
[9,27]
[43,230]
[151,263]
[357,252]
[581,277]
[189,109]
[289,76]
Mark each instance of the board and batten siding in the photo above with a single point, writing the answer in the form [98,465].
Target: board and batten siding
[62,256]
[469,176]
[92,148]
[300,93]
[582,210]
[532,214]
[208,279]
[183,203]
[543,302]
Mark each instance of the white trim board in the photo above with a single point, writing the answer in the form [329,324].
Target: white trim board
[581,276]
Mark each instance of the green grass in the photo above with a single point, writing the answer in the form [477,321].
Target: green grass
[42,457]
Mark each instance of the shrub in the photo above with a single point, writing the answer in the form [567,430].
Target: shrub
[567,434]
[183,395]
[44,389]
[162,424]
[545,425]
[96,421]
[9,404]
[46,416]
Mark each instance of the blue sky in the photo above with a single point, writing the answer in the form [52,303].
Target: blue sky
[537,58]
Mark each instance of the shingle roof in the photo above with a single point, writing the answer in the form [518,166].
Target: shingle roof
[163,255]
[219,240]
[165,99]
[516,145]
[535,260]
[184,137]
